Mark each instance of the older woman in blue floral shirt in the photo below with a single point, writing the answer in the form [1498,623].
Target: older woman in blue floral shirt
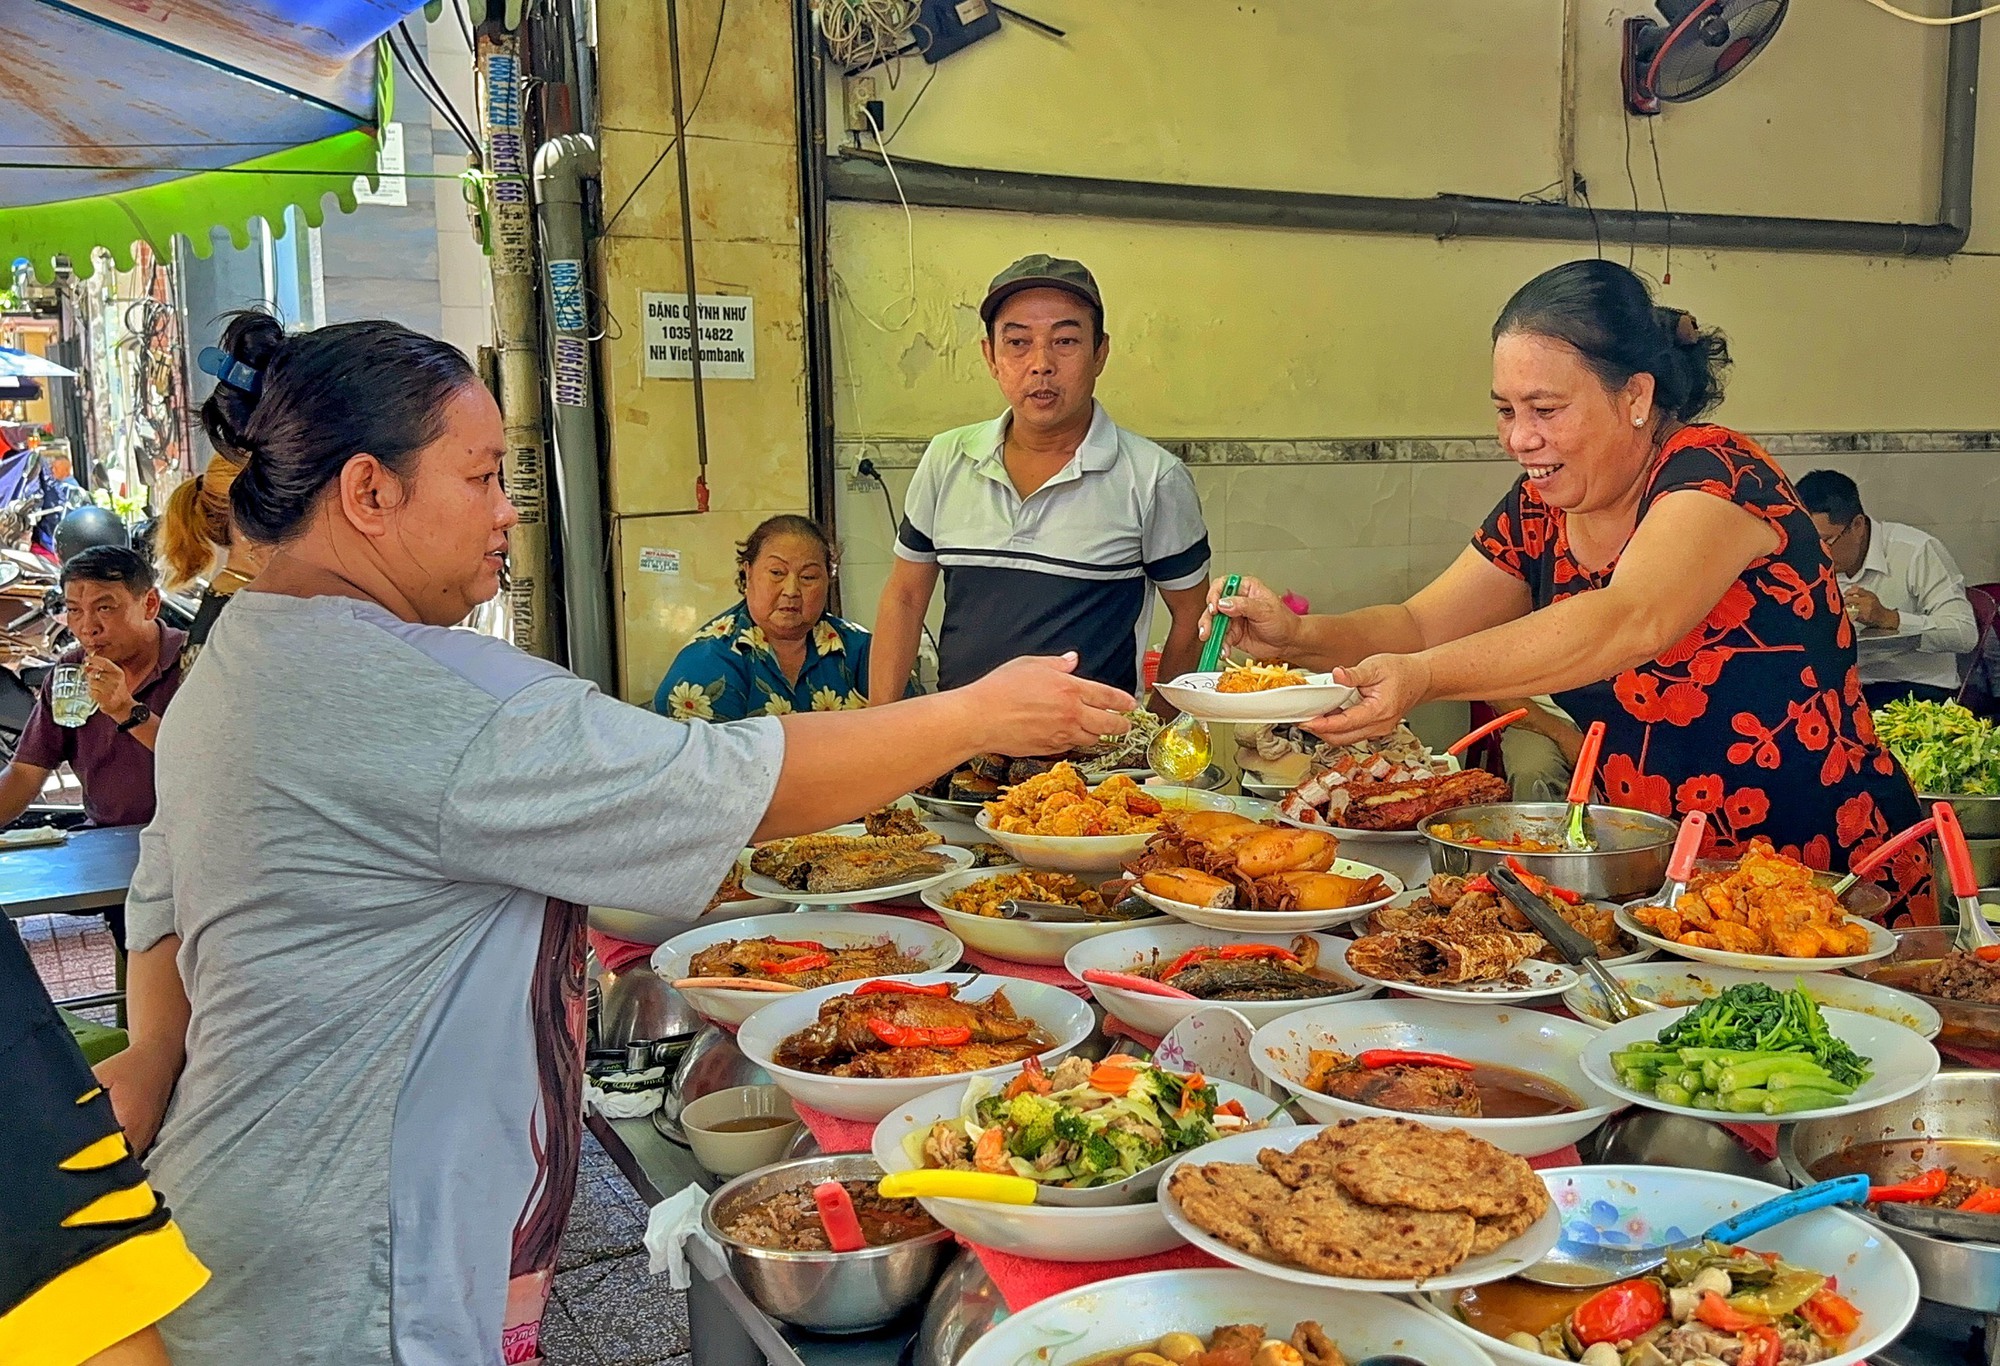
[776,651]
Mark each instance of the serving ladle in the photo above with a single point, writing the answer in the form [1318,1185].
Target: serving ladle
[1577,834]
[1974,935]
[1882,853]
[1174,749]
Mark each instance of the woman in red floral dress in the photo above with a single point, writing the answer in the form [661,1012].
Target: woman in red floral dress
[1656,573]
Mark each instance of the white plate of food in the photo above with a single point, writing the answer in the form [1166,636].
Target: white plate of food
[1345,1205]
[1400,795]
[1420,911]
[1529,979]
[1040,1021]
[760,949]
[1241,920]
[1881,943]
[1259,694]
[1041,942]
[1680,983]
[1524,1092]
[1628,1207]
[1175,1315]
[1899,1062]
[1259,989]
[852,856]
[1054,805]
[730,902]
[1112,1232]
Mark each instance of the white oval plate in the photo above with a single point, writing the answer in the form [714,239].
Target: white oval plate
[1680,983]
[1881,943]
[1902,1061]
[1165,940]
[961,859]
[1638,955]
[1509,1258]
[1097,853]
[1239,921]
[1544,980]
[1040,942]
[1195,694]
[939,949]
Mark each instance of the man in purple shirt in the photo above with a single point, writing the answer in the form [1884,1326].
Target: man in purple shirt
[133,667]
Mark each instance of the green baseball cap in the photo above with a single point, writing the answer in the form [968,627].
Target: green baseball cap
[1041,271]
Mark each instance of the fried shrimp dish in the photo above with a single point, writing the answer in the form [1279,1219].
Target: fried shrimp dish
[1238,678]
[1767,904]
[1059,802]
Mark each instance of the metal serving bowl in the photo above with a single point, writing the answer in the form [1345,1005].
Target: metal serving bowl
[1966,1023]
[1980,816]
[825,1292]
[1956,1105]
[1630,862]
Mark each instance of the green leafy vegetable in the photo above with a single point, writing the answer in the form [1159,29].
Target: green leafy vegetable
[1942,746]
[1754,1018]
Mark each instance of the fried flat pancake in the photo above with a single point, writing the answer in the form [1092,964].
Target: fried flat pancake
[1223,1199]
[1322,1228]
[1493,1234]
[1401,1162]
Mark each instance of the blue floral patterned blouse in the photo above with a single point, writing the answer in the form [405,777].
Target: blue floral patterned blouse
[728,672]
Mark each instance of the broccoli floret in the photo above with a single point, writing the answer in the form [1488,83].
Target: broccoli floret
[1033,1119]
[1099,1155]
[1148,1083]
[1133,1151]
[1071,1127]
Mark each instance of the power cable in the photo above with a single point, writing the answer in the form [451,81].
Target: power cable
[913,107]
[1930,21]
[436,99]
[1660,179]
[1632,251]
[721,14]
[423,63]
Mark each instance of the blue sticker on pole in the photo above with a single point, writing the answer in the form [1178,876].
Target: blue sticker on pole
[566,295]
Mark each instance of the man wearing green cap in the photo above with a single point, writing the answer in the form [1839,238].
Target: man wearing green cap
[1049,523]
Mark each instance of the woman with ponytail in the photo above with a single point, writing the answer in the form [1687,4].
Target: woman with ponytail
[1655,572]
[357,923]
[194,532]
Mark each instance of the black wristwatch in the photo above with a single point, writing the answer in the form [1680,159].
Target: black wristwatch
[141,714]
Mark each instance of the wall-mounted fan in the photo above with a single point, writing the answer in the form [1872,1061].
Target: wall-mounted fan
[1701,45]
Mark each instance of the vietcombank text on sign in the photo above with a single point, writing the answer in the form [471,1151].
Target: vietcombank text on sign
[728,336]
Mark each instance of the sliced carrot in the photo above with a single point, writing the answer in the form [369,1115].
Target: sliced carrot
[1115,1075]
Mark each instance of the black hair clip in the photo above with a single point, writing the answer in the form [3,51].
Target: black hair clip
[227,369]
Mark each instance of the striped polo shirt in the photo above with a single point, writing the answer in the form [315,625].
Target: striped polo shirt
[1065,568]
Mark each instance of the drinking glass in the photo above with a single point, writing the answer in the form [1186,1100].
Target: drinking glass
[70,701]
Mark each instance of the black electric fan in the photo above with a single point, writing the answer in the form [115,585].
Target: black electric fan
[1699,47]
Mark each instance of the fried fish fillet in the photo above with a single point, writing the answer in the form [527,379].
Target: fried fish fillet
[1433,960]
[862,869]
[1391,805]
[781,859]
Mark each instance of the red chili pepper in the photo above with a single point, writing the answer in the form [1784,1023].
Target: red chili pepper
[1985,1200]
[1831,1316]
[805,962]
[1188,959]
[913,1036]
[1272,951]
[1541,886]
[1479,882]
[1987,953]
[813,944]
[1232,1107]
[1928,1186]
[1373,1058]
[1761,1346]
[1619,1313]
[884,987]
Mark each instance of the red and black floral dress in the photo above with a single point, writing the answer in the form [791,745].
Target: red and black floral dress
[1756,717]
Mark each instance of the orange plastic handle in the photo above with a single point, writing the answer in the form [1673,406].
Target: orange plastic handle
[1586,764]
[1687,846]
[1957,857]
[836,1214]
[1887,849]
[1471,738]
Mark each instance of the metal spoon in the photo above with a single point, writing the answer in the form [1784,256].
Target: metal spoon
[1575,946]
[1050,912]
[1577,833]
[1582,1265]
[1973,933]
[1171,757]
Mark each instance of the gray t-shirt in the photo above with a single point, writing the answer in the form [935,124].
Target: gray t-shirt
[370,839]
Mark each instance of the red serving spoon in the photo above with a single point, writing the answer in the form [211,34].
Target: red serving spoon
[1144,986]
[1473,737]
[836,1215]
[1576,829]
[1882,854]
[1974,934]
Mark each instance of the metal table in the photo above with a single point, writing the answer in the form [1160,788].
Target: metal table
[727,1328]
[89,873]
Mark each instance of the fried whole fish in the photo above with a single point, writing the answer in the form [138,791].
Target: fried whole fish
[845,1029]
[1431,960]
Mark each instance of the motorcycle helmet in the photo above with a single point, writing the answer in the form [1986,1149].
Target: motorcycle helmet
[85,527]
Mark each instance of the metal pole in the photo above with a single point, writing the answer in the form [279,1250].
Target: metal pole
[687,256]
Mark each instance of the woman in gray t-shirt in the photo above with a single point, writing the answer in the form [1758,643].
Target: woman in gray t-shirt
[357,921]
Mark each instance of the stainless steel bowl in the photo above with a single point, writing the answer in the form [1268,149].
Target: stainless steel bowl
[1647,1137]
[1980,816]
[825,1292]
[965,1306]
[1630,862]
[1957,1104]
[712,1062]
[1966,1023]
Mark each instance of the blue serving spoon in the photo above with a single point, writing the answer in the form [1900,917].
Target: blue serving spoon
[1582,1265]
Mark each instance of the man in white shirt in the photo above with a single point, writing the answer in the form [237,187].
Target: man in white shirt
[1906,596]
[1052,527]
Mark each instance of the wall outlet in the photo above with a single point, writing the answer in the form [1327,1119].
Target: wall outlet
[861,92]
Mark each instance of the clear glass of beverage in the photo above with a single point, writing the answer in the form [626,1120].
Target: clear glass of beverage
[70,701]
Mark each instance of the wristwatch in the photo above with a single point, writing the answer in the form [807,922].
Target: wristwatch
[141,714]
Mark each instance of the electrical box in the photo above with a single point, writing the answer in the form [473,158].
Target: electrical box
[955,24]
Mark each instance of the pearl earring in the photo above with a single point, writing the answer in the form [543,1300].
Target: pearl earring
[1638,421]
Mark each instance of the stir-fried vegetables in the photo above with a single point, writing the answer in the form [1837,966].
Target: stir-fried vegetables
[1713,1302]
[1750,1050]
[1078,1126]
[1942,746]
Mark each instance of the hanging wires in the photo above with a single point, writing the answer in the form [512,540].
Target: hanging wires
[1666,209]
[1933,22]
[866,33]
[908,303]
[1632,248]
[428,86]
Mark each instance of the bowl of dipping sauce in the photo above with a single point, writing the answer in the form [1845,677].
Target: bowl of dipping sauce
[740,1128]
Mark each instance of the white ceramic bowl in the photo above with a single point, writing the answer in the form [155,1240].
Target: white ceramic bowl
[1107,1233]
[1511,1257]
[1681,983]
[1881,943]
[1543,1045]
[1155,1015]
[1650,1205]
[1195,694]
[1017,941]
[1063,1014]
[1102,854]
[1134,1312]
[1902,1062]
[1238,921]
[937,949]
[644,927]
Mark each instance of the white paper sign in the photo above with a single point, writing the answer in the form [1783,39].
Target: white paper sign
[391,189]
[728,336]
[655,561]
